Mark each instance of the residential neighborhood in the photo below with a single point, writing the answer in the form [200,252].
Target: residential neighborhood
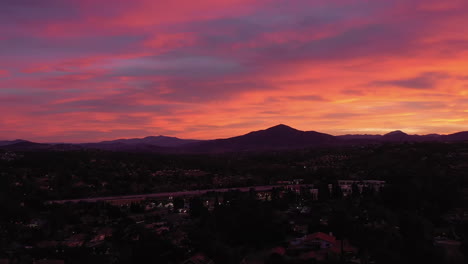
[294,213]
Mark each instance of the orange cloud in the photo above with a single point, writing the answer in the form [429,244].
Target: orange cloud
[209,69]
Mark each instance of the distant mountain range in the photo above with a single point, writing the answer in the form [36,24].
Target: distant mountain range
[10,142]
[277,137]
[161,141]
[152,143]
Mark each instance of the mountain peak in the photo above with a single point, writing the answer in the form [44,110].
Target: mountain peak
[281,127]
[159,137]
[396,133]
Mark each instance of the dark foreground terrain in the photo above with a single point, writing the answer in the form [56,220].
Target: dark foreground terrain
[381,203]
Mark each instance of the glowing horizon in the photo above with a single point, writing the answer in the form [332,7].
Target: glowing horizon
[86,71]
[345,133]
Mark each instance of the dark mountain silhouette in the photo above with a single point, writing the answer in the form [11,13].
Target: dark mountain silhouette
[11,142]
[277,137]
[399,136]
[396,133]
[273,138]
[147,144]
[26,145]
[161,141]
[359,137]
[396,136]
[460,136]
[119,146]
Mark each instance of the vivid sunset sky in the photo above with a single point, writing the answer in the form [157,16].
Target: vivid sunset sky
[89,70]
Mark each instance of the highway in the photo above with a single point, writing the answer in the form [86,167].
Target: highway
[174,194]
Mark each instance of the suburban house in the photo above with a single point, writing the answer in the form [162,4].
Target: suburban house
[320,246]
[198,259]
[347,185]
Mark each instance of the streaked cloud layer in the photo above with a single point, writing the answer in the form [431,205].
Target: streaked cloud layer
[86,70]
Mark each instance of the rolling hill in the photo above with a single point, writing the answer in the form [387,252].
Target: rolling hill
[274,138]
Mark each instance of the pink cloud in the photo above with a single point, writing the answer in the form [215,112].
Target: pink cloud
[4,73]
[130,68]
